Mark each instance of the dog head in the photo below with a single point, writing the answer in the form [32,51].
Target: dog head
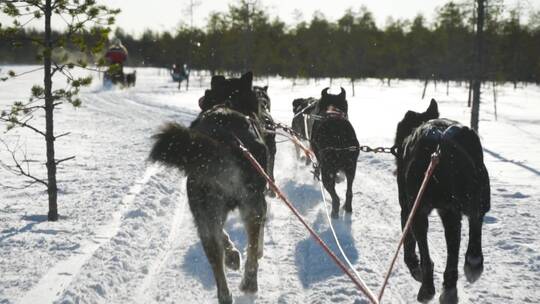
[263,99]
[337,101]
[236,93]
[413,120]
[299,104]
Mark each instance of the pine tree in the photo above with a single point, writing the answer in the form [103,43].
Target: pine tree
[82,19]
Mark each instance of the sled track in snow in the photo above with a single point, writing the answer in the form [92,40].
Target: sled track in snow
[143,295]
[53,283]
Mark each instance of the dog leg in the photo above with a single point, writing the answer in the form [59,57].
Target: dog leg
[409,244]
[409,250]
[329,182]
[474,259]
[348,198]
[213,247]
[452,232]
[420,228]
[232,255]
[253,213]
[209,223]
[260,251]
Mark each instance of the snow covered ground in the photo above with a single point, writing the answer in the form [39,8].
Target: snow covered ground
[126,235]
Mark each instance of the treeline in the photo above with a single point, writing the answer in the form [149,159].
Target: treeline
[245,38]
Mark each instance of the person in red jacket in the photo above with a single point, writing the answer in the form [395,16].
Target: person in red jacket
[117,54]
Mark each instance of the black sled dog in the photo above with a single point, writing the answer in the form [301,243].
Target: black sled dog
[459,186]
[335,145]
[219,178]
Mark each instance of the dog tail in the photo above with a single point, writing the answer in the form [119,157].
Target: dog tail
[184,148]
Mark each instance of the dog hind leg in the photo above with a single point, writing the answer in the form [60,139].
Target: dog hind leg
[253,213]
[474,259]
[409,249]
[452,232]
[212,241]
[208,218]
[349,173]
[420,229]
[329,182]
[232,255]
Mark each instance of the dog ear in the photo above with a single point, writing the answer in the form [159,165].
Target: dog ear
[433,109]
[324,92]
[265,88]
[410,115]
[247,80]
[343,94]
[216,80]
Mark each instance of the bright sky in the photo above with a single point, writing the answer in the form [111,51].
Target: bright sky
[166,14]
[159,15]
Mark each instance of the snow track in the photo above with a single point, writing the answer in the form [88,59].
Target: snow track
[61,274]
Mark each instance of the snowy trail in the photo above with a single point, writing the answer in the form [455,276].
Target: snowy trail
[127,235]
[61,274]
[142,295]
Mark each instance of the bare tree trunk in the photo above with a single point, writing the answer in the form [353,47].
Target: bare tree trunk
[495,100]
[447,87]
[352,84]
[470,93]
[475,110]
[52,189]
[425,86]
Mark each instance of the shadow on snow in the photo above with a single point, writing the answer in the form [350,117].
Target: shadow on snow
[314,264]
[303,197]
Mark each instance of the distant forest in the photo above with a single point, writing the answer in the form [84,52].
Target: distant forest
[246,38]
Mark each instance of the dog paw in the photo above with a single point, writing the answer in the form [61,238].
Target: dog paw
[449,296]
[426,293]
[249,285]
[232,259]
[474,266]
[415,270]
[416,273]
[225,297]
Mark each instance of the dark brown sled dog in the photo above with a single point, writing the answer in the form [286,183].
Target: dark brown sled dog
[220,179]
